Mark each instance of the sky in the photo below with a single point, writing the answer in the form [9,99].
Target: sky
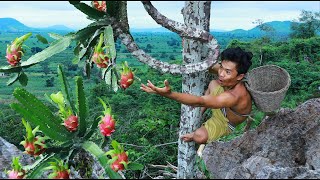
[225,15]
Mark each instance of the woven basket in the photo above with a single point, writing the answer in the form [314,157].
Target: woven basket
[268,86]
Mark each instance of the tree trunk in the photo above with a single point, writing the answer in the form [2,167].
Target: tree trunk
[196,14]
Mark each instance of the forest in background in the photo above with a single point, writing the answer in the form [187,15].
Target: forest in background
[147,124]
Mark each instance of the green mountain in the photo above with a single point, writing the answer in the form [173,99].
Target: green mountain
[13,25]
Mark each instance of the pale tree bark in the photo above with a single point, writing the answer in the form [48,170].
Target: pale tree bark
[197,15]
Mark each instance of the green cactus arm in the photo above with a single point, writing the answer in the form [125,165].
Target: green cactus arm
[35,111]
[93,128]
[81,106]
[96,151]
[50,132]
[65,88]
[36,169]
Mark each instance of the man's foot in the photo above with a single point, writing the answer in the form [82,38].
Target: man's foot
[187,137]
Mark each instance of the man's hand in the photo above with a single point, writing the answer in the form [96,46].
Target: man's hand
[152,89]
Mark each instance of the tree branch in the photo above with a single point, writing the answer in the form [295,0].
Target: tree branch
[179,28]
[165,67]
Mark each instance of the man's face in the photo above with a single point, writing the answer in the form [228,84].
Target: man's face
[228,74]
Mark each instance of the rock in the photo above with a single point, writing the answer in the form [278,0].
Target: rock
[285,145]
[7,152]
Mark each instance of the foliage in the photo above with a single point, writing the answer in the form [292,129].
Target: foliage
[63,145]
[307,26]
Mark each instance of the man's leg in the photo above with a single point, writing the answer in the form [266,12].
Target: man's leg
[200,136]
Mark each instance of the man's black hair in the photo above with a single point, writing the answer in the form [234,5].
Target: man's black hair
[240,57]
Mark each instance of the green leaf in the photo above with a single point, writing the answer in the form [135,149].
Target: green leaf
[109,42]
[86,32]
[36,112]
[88,10]
[42,39]
[81,106]
[96,151]
[135,166]
[13,79]
[55,36]
[55,48]
[23,79]
[10,69]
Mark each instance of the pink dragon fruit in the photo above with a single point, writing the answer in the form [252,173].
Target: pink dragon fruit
[17,172]
[99,5]
[14,51]
[127,76]
[99,56]
[71,123]
[33,145]
[107,123]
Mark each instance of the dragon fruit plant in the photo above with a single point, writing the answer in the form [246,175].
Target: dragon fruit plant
[14,50]
[17,171]
[99,5]
[64,144]
[127,76]
[99,57]
[34,145]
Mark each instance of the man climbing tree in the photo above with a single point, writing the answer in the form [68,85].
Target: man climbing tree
[227,96]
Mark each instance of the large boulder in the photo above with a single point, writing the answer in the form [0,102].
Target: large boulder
[285,145]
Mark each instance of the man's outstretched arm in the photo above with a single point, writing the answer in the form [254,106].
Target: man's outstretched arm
[208,101]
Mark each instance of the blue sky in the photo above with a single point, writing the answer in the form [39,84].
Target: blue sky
[225,15]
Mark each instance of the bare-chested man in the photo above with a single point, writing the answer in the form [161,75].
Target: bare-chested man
[227,97]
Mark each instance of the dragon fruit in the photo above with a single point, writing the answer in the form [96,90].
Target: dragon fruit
[99,5]
[60,170]
[119,158]
[99,56]
[33,145]
[127,76]
[119,164]
[17,172]
[71,123]
[107,123]
[14,51]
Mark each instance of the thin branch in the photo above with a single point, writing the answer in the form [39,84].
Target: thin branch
[179,28]
[213,53]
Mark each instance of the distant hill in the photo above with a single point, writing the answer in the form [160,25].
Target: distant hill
[13,25]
